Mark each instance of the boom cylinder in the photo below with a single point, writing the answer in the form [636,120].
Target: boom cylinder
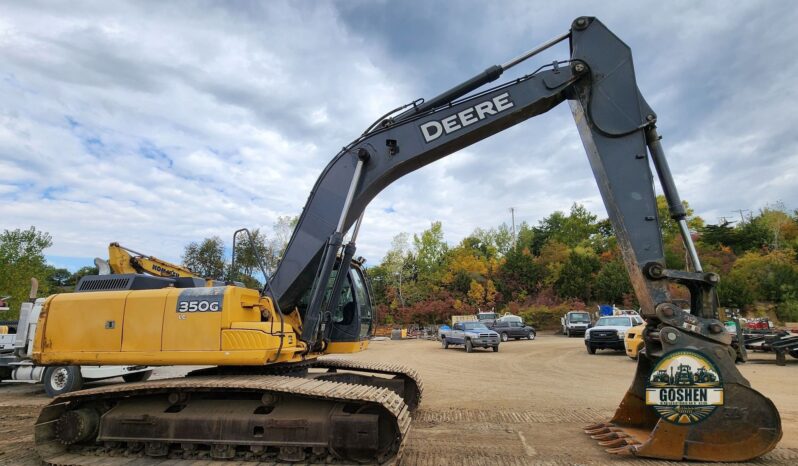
[490,74]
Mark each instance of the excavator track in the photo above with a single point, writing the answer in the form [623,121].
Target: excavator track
[413,387]
[261,418]
[404,381]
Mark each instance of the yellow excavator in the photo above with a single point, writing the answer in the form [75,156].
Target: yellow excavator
[270,397]
[122,260]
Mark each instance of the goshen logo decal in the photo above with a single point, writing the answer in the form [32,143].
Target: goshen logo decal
[684,387]
[434,129]
[200,300]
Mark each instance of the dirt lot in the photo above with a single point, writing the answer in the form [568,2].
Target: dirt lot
[523,405]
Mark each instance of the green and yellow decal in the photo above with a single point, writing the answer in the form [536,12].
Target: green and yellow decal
[685,387]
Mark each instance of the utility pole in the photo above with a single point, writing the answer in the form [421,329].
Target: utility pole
[740,211]
[512,214]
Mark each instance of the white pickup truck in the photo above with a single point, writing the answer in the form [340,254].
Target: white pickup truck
[575,323]
[609,332]
[16,346]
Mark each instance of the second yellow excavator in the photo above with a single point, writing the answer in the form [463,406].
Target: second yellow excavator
[272,399]
[122,260]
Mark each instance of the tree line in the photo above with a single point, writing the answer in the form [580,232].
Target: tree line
[567,260]
[572,261]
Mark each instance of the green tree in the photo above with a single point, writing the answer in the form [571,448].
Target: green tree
[770,277]
[503,239]
[572,229]
[22,258]
[249,251]
[751,235]
[670,228]
[282,229]
[520,275]
[782,228]
[397,272]
[430,249]
[576,276]
[526,238]
[612,283]
[722,234]
[206,258]
[59,278]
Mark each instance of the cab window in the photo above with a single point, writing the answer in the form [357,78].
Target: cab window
[344,311]
[363,301]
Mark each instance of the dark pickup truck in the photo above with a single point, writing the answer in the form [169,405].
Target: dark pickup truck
[513,329]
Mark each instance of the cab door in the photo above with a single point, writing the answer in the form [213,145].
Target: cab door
[352,317]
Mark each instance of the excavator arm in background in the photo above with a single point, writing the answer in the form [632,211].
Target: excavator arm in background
[618,131]
[122,260]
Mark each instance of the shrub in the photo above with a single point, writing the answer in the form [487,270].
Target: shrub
[544,317]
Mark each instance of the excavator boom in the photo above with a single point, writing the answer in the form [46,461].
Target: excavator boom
[122,260]
[316,302]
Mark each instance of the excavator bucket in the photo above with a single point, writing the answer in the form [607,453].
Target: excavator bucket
[746,425]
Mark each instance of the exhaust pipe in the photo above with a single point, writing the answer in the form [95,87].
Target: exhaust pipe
[34,289]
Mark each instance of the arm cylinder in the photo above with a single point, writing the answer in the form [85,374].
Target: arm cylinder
[675,205]
[664,173]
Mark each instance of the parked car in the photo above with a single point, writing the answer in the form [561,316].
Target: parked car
[471,335]
[609,332]
[511,329]
[575,323]
[633,342]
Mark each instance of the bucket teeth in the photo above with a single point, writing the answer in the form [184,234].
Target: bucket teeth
[614,443]
[627,450]
[609,436]
[600,425]
[599,431]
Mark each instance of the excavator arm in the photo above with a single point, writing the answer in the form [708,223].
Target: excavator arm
[616,125]
[618,131]
[122,260]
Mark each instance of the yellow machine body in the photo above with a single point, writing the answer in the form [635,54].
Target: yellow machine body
[633,341]
[225,325]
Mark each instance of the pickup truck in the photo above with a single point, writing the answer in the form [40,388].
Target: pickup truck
[575,323]
[609,332]
[471,335]
[512,329]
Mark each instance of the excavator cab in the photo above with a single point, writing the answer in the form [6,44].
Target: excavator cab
[349,322]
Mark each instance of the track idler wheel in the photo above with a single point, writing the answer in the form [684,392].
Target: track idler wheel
[77,426]
[746,426]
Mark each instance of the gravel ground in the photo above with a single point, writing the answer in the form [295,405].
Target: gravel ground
[523,405]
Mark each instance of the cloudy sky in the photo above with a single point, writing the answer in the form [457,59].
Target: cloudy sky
[156,124]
